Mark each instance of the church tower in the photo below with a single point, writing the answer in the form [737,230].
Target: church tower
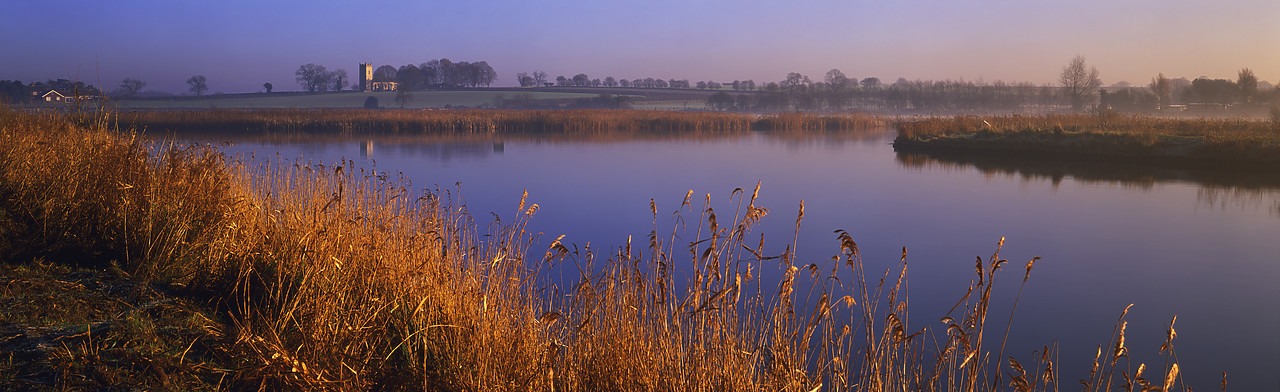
[366,77]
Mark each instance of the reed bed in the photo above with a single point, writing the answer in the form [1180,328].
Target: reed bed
[335,279]
[488,122]
[1106,134]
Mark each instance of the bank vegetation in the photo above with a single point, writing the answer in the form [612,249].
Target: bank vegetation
[191,271]
[1203,142]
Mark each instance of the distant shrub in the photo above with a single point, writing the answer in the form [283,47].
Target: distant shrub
[371,102]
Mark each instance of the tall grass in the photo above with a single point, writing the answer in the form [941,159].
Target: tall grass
[342,279]
[511,122]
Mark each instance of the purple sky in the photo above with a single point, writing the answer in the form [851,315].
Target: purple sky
[238,45]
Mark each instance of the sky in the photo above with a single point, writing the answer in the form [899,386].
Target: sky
[239,45]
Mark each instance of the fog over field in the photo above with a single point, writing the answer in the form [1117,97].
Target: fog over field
[240,45]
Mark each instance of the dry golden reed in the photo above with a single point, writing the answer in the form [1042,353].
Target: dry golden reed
[490,122]
[334,278]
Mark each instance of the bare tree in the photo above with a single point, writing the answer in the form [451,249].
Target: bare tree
[1079,80]
[385,73]
[403,96]
[410,76]
[539,78]
[197,84]
[1248,84]
[338,79]
[609,81]
[312,77]
[1161,88]
[836,79]
[130,86]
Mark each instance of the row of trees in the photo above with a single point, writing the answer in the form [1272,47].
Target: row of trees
[1079,87]
[946,95]
[1163,91]
[539,78]
[441,73]
[316,78]
[13,91]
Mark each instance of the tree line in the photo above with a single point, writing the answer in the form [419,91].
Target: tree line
[1078,86]
[539,79]
[441,73]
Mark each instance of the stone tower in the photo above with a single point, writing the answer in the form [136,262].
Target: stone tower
[366,77]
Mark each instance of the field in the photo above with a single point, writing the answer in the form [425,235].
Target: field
[1236,143]
[192,272]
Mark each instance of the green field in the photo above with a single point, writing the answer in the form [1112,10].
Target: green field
[421,100]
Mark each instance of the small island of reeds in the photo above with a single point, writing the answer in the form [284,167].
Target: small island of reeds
[1202,142]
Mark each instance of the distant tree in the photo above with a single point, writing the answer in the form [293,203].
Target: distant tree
[430,73]
[609,81]
[313,77]
[410,76]
[403,96]
[1161,88]
[720,101]
[749,85]
[485,75]
[836,79]
[793,79]
[562,81]
[596,82]
[539,78]
[130,87]
[1248,84]
[737,85]
[524,79]
[871,82]
[1079,80]
[702,85]
[385,73]
[338,79]
[1220,91]
[581,80]
[710,85]
[448,75]
[624,82]
[371,102]
[13,91]
[197,84]
[268,87]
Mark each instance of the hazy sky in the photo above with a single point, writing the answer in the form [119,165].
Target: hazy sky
[238,45]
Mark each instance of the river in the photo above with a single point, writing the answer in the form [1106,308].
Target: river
[1204,246]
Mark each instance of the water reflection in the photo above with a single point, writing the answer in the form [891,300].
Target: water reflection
[1195,244]
[1217,188]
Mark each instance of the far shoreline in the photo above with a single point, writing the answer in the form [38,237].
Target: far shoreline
[1175,143]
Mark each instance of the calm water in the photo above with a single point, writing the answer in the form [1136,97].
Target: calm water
[1204,246]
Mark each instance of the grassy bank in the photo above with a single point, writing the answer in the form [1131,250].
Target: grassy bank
[488,122]
[238,276]
[1206,142]
[345,99]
